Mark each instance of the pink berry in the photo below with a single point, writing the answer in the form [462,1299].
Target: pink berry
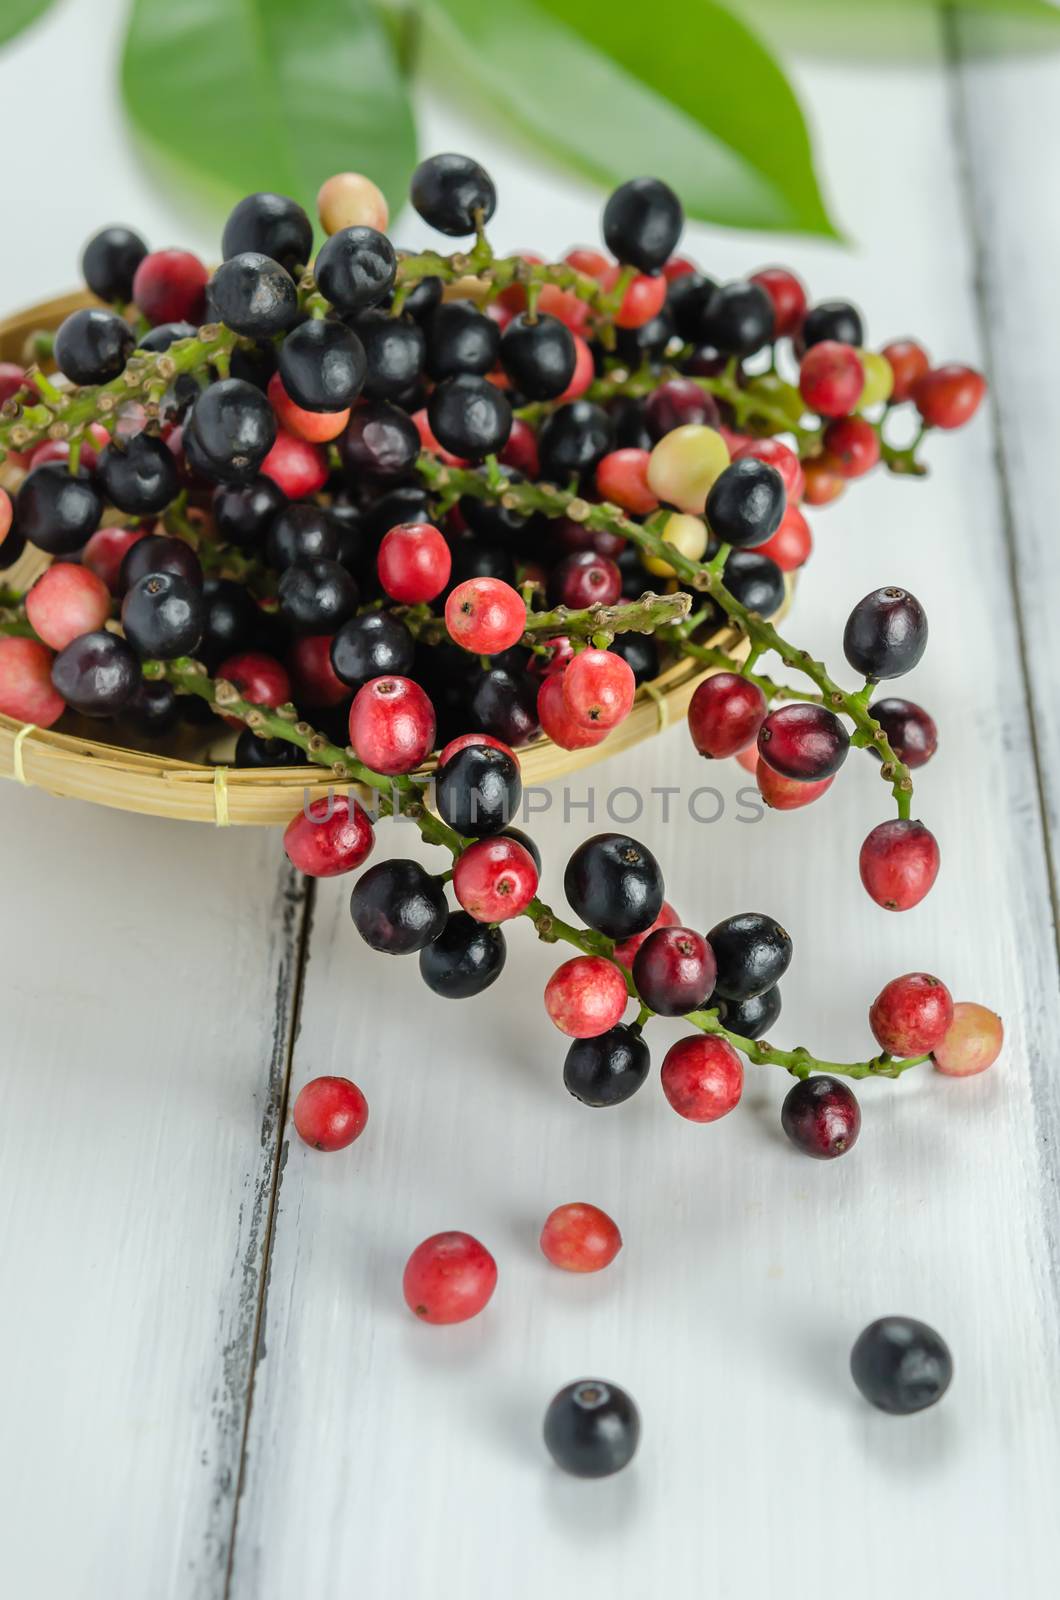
[909,362]
[580,1238]
[583,579]
[598,688]
[584,371]
[556,721]
[65,602]
[170,286]
[643,300]
[414,563]
[792,544]
[105,551]
[586,997]
[449,1278]
[261,679]
[485,615]
[899,862]
[776,454]
[392,725]
[674,971]
[7,512]
[26,689]
[622,478]
[315,680]
[788,295]
[948,397]
[330,1113]
[521,450]
[317,427]
[911,1014]
[788,794]
[725,714]
[12,379]
[495,879]
[625,952]
[852,446]
[297,467]
[971,1043]
[831,378]
[429,442]
[702,1077]
[333,838]
[465,741]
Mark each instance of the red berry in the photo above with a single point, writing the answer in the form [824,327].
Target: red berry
[105,551]
[910,731]
[333,838]
[449,1278]
[564,304]
[776,454]
[65,602]
[821,1117]
[678,403]
[297,467]
[823,483]
[804,742]
[7,512]
[625,952]
[513,298]
[598,688]
[788,296]
[678,267]
[725,714]
[909,362]
[465,741]
[26,689]
[556,721]
[59,450]
[851,446]
[792,544]
[12,379]
[971,1043]
[314,678]
[899,862]
[495,879]
[702,1077]
[170,286]
[586,997]
[429,442]
[949,396]
[318,427]
[585,579]
[485,616]
[831,378]
[580,1238]
[573,537]
[593,263]
[674,971]
[643,300]
[330,1113]
[520,452]
[748,760]
[259,678]
[391,725]
[911,1014]
[584,371]
[622,478]
[414,563]
[787,794]
[559,653]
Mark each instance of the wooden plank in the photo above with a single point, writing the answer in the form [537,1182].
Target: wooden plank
[148,973]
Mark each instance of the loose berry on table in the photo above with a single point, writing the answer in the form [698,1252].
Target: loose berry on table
[449,1278]
[330,1113]
[579,1237]
[592,1428]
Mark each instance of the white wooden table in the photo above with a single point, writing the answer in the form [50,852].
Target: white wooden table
[211,1385]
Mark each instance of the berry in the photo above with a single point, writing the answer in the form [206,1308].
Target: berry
[538,356]
[317,596]
[680,402]
[414,563]
[606,1070]
[835,321]
[259,678]
[598,688]
[901,1365]
[640,652]
[158,340]
[556,720]
[686,535]
[314,678]
[58,510]
[852,446]
[910,1015]
[92,345]
[580,1238]
[469,416]
[639,312]
[157,552]
[97,674]
[614,884]
[753,1018]
[270,225]
[163,616]
[527,843]
[787,295]
[233,428]
[495,880]
[879,380]
[232,620]
[702,1077]
[373,645]
[725,714]
[642,223]
[253,295]
[297,467]
[334,836]
[755,580]
[804,742]
[478,787]
[738,319]
[685,464]
[948,397]
[253,751]
[787,794]
[586,997]
[909,362]
[356,268]
[688,300]
[350,200]
[380,442]
[65,602]
[911,733]
[775,454]
[821,1117]
[831,378]
[485,616]
[449,1278]
[752,952]
[465,958]
[453,194]
[139,476]
[792,544]
[26,690]
[822,483]
[573,440]
[460,339]
[584,579]
[155,709]
[109,262]
[674,971]
[592,1428]
[330,1113]
[398,908]
[7,513]
[317,427]
[323,365]
[583,374]
[622,478]
[394,349]
[625,951]
[746,503]
[971,1043]
[170,286]
[301,531]
[392,725]
[505,704]
[886,634]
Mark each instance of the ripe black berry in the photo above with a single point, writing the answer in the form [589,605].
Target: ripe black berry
[738,319]
[469,416]
[398,908]
[356,268]
[642,223]
[648,343]
[244,511]
[752,952]
[608,1069]
[614,884]
[374,645]
[687,301]
[274,226]
[478,791]
[901,1365]
[323,365]
[11,547]
[97,674]
[911,732]
[381,442]
[394,350]
[538,356]
[253,295]
[453,194]
[154,708]
[163,616]
[756,581]
[886,634]
[301,531]
[472,559]
[234,427]
[58,510]
[592,1428]
[316,596]
[753,1018]
[832,319]
[109,262]
[465,959]
[159,553]
[504,703]
[140,476]
[746,503]
[461,339]
[231,620]
[159,339]
[640,652]
[252,751]
[821,1117]
[92,345]
[573,439]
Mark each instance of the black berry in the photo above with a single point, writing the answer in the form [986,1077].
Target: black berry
[272,225]
[753,1018]
[465,959]
[738,319]
[356,268]
[97,674]
[756,581]
[323,365]
[538,356]
[159,339]
[832,319]
[394,350]
[58,510]
[910,731]
[373,645]
[614,884]
[252,751]
[453,194]
[504,703]
[901,1365]
[592,1428]
[478,790]
[163,616]
[639,651]
[608,1069]
[253,295]
[109,262]
[140,476]
[92,345]
[234,428]
[752,952]
[317,596]
[573,439]
[746,503]
[469,416]
[243,512]
[886,634]
[821,1117]
[381,442]
[160,553]
[642,223]
[301,531]
[398,908]
[461,339]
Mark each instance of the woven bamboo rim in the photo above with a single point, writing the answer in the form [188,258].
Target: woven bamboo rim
[189,791]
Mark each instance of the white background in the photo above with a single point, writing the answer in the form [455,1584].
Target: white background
[210,1382]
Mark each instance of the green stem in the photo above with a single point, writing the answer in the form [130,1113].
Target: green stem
[649,614]
[711,657]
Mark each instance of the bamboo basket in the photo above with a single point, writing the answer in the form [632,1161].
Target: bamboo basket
[206,788]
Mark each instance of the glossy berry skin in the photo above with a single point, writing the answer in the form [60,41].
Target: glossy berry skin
[505,704]
[787,794]
[614,884]
[625,951]
[554,715]
[674,971]
[821,1117]
[792,544]
[92,345]
[373,645]
[65,602]
[394,349]
[356,268]
[464,960]
[253,295]
[752,952]
[578,1237]
[158,552]
[330,1113]
[478,789]
[901,1365]
[469,416]
[301,531]
[232,620]
[391,725]
[886,634]
[381,442]
[909,362]
[271,224]
[449,1278]
[538,356]
[260,678]
[622,478]
[746,503]
[109,262]
[776,454]
[333,838]
[163,616]
[485,616]
[316,427]
[788,296]
[831,378]
[139,477]
[911,732]
[317,596]
[26,690]
[57,510]
[584,579]
[948,397]
[592,1428]
[685,464]
[323,365]
[461,339]
[679,403]
[233,427]
[642,223]
[97,674]
[738,319]
[170,286]
[314,678]
[414,563]
[641,314]
[852,446]
[804,742]
[495,880]
[702,1078]
[911,1014]
[640,652]
[586,997]
[573,440]
[449,190]
[598,688]
[607,1070]
[971,1043]
[251,751]
[725,714]
[398,908]
[753,1018]
[833,320]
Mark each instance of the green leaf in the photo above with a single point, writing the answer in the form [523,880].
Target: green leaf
[18,14]
[688,93]
[270,94]
[837,27]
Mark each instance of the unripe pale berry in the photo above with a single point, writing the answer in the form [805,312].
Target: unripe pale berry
[684,465]
[688,537]
[971,1043]
[350,200]
[65,602]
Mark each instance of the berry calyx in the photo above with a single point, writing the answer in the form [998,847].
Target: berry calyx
[450,1277]
[971,1043]
[485,616]
[948,397]
[598,688]
[674,971]
[886,634]
[392,725]
[65,602]
[821,1117]
[901,1365]
[495,880]
[804,742]
[911,1014]
[579,1237]
[702,1078]
[899,862]
[331,836]
[586,997]
[592,1428]
[330,1113]
[831,378]
[414,563]
[725,714]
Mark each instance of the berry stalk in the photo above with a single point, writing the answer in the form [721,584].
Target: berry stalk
[596,624]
